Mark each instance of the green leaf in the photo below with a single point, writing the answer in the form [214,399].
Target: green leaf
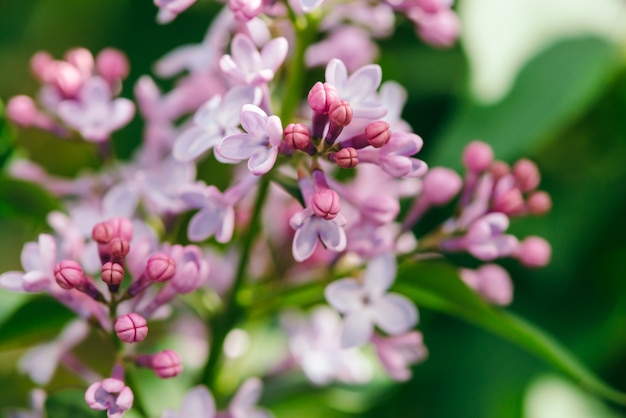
[25,200]
[38,319]
[550,91]
[6,138]
[70,403]
[436,285]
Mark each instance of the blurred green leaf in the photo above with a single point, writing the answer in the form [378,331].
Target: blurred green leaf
[6,139]
[22,199]
[436,285]
[567,76]
[70,403]
[36,320]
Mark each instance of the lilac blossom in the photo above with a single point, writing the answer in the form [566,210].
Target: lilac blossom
[246,65]
[366,303]
[359,89]
[315,345]
[395,157]
[259,145]
[310,229]
[351,45]
[397,353]
[244,403]
[198,403]
[217,213]
[491,282]
[216,119]
[95,115]
[110,395]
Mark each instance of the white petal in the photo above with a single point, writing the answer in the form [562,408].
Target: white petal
[394,314]
[36,281]
[203,224]
[332,235]
[47,252]
[357,329]
[238,96]
[238,146]
[379,275]
[254,120]
[198,403]
[225,229]
[245,53]
[194,142]
[120,200]
[40,362]
[337,74]
[71,113]
[304,242]
[262,160]
[248,394]
[345,295]
[274,53]
[12,281]
[122,111]
[363,83]
[30,257]
[205,115]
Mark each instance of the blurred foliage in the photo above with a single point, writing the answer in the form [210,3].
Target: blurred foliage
[565,111]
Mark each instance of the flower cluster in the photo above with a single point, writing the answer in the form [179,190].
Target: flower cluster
[328,173]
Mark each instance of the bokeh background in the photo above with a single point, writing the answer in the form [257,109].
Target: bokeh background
[546,81]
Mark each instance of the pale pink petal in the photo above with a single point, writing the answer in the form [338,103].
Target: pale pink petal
[304,242]
[12,281]
[248,394]
[332,235]
[122,111]
[262,160]
[274,53]
[238,147]
[120,200]
[337,74]
[36,281]
[357,329]
[230,109]
[225,229]
[345,295]
[204,224]
[394,314]
[198,403]
[245,54]
[194,142]
[254,120]
[379,275]
[364,82]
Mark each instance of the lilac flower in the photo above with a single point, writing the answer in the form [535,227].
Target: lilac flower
[111,395]
[217,118]
[366,303]
[315,346]
[247,66]
[395,157]
[169,9]
[399,352]
[95,115]
[245,10]
[393,97]
[217,213]
[359,89]
[352,45]
[244,403]
[40,362]
[309,229]
[259,145]
[490,281]
[198,403]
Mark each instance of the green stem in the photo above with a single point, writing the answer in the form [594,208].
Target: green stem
[221,324]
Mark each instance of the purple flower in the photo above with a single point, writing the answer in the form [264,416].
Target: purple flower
[395,157]
[366,303]
[169,9]
[244,403]
[247,66]
[198,403]
[111,395]
[95,115]
[399,352]
[217,118]
[259,145]
[359,89]
[309,229]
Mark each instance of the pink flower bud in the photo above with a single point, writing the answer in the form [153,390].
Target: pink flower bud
[160,268]
[441,185]
[166,364]
[65,77]
[22,110]
[510,202]
[112,275]
[495,284]
[39,64]
[245,10]
[326,204]
[297,136]
[539,203]
[69,274]
[103,232]
[499,169]
[340,113]
[378,133]
[119,249]
[123,227]
[112,65]
[439,29]
[477,156]
[322,96]
[534,252]
[81,59]
[526,175]
[131,328]
[345,157]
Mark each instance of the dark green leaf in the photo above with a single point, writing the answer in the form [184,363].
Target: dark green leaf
[6,138]
[70,403]
[25,200]
[550,91]
[436,285]
[38,319]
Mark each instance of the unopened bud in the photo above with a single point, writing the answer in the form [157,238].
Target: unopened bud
[131,328]
[112,65]
[103,232]
[297,136]
[441,185]
[322,96]
[119,249]
[539,203]
[534,252]
[166,364]
[499,169]
[69,274]
[160,268]
[377,133]
[526,175]
[345,157]
[123,227]
[326,204]
[22,110]
[112,274]
[477,156]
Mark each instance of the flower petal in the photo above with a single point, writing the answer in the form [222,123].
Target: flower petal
[262,160]
[254,120]
[204,223]
[238,147]
[332,235]
[198,403]
[12,281]
[345,295]
[274,53]
[304,242]
[357,329]
[394,313]
[379,275]
[245,53]
[194,142]
[337,74]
